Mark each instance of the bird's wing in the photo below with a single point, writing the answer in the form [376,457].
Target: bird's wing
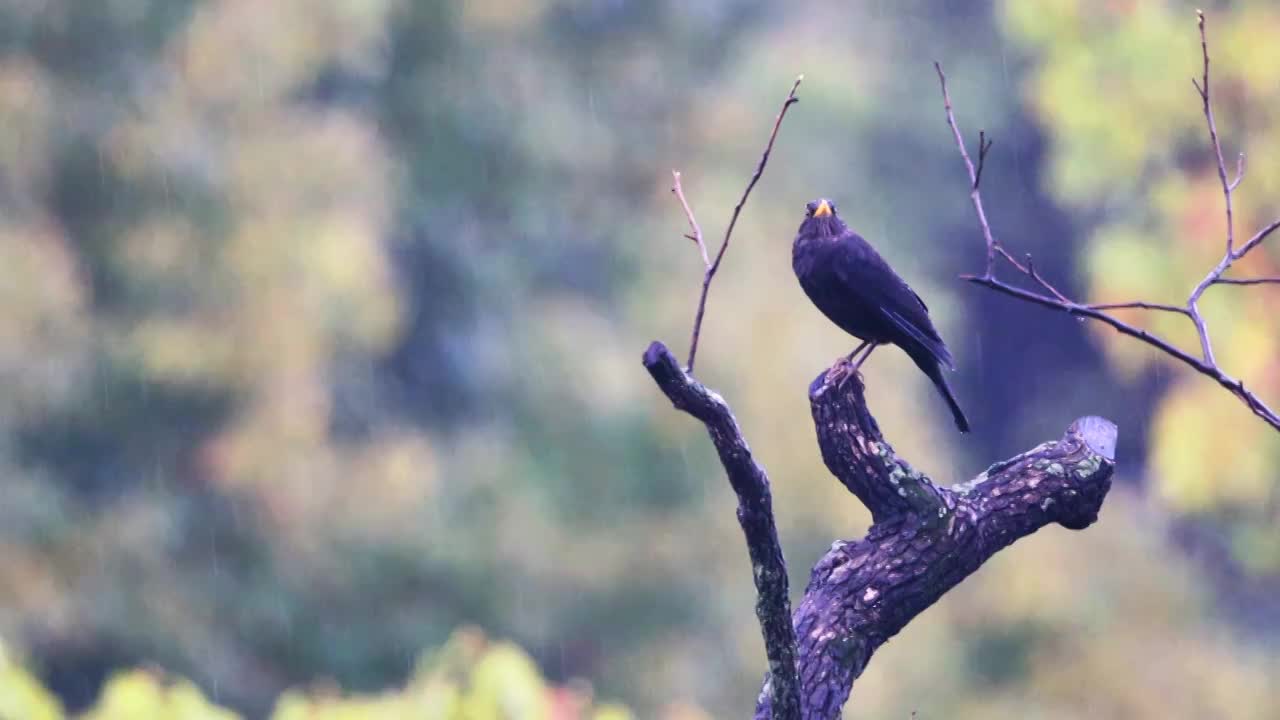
[919,299]
[862,270]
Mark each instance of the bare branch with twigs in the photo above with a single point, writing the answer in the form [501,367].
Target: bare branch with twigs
[711,266]
[748,479]
[925,538]
[1205,364]
[975,176]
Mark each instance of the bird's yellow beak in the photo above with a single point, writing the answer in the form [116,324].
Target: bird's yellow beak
[823,209]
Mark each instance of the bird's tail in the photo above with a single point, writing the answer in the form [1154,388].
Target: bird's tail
[933,369]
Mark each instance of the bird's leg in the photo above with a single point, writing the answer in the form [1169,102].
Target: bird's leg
[871,346]
[857,350]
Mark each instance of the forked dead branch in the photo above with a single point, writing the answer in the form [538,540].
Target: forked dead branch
[711,266]
[1050,297]
[925,538]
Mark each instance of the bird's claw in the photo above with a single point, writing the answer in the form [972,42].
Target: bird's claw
[840,372]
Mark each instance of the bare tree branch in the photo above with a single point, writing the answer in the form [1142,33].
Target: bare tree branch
[925,538]
[1248,281]
[755,515]
[974,176]
[1139,305]
[1257,238]
[924,541]
[1203,88]
[755,504]
[1206,364]
[712,266]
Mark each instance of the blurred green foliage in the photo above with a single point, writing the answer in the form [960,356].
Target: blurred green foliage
[466,679]
[1131,148]
[323,323]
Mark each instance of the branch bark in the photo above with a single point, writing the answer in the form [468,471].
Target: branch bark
[925,539]
[755,515]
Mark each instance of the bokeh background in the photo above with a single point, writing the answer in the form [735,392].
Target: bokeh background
[319,358]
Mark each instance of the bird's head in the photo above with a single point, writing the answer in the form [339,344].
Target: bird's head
[821,220]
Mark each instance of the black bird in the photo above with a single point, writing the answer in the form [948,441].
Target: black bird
[858,291]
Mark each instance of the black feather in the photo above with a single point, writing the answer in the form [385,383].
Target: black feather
[857,290]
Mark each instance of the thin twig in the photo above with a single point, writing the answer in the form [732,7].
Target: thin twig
[1206,364]
[1257,238]
[714,265]
[1203,87]
[1193,301]
[1248,281]
[1030,270]
[1139,305]
[1202,331]
[974,197]
[696,235]
[1239,172]
[984,146]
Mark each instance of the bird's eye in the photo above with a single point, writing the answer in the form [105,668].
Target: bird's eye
[833,207]
[809,208]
